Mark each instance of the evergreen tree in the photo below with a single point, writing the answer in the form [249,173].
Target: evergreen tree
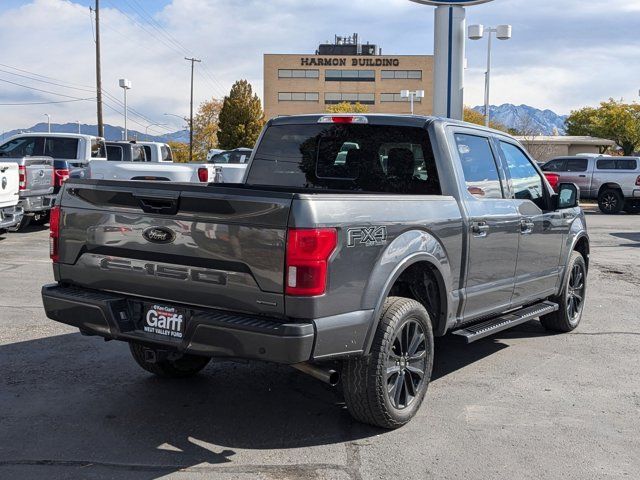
[241,117]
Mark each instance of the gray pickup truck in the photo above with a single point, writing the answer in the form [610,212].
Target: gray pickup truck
[344,266]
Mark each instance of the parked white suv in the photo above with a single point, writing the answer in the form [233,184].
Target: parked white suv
[10,211]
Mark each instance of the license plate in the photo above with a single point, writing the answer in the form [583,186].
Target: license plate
[164,321]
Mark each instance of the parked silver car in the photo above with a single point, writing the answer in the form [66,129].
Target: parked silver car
[613,181]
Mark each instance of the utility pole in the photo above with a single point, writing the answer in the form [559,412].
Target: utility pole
[192,60]
[98,73]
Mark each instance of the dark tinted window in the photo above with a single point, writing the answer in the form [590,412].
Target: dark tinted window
[114,153]
[626,164]
[527,184]
[479,166]
[577,165]
[372,158]
[22,147]
[66,148]
[554,165]
[606,164]
[147,152]
[137,154]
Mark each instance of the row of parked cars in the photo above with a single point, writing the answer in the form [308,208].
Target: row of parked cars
[613,181]
[33,167]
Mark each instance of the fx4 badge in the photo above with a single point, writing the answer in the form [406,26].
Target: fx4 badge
[367,236]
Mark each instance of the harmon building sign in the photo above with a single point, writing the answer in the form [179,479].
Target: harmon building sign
[353,62]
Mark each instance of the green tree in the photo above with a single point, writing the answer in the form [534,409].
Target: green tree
[241,117]
[613,120]
[473,116]
[205,127]
[180,152]
[346,107]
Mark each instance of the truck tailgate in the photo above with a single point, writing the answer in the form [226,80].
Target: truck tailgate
[39,176]
[210,246]
[8,184]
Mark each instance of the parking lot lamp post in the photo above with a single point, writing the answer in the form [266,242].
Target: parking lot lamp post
[146,129]
[125,85]
[477,32]
[48,122]
[411,95]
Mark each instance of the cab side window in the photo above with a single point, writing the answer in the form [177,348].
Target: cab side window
[479,166]
[554,165]
[527,184]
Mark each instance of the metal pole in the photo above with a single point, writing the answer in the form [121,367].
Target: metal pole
[126,134]
[411,97]
[79,127]
[192,60]
[98,73]
[487,80]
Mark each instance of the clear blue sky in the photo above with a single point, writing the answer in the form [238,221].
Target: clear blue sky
[564,54]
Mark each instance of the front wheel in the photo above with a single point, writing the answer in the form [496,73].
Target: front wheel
[386,387]
[610,201]
[176,365]
[571,300]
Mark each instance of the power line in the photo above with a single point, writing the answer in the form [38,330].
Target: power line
[48,103]
[45,81]
[39,89]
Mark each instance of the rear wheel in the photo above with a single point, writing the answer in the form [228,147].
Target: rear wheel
[610,201]
[24,223]
[571,300]
[386,387]
[174,365]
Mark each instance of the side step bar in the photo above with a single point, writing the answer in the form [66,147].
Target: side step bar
[471,333]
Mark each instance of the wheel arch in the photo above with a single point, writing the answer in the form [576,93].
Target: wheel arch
[609,186]
[427,256]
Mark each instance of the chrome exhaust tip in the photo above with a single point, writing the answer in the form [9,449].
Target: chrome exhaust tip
[325,375]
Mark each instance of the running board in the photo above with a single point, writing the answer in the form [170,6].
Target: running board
[475,332]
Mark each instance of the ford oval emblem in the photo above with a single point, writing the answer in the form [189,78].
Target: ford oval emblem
[159,235]
[4,182]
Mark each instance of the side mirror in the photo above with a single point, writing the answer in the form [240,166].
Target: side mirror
[568,195]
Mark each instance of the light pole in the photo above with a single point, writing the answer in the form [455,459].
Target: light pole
[411,95]
[193,62]
[125,85]
[48,122]
[146,129]
[476,32]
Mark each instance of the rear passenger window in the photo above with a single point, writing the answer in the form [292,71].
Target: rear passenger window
[479,166]
[114,153]
[626,164]
[137,154]
[527,184]
[606,164]
[577,165]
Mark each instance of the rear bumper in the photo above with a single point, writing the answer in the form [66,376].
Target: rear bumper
[10,216]
[208,332]
[37,203]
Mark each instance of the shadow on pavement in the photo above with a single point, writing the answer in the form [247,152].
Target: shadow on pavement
[631,236]
[69,402]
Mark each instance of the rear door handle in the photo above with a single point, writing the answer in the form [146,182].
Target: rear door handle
[479,229]
[582,176]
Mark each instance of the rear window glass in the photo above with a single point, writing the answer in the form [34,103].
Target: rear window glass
[98,148]
[114,153]
[137,154]
[165,151]
[371,158]
[66,148]
[22,147]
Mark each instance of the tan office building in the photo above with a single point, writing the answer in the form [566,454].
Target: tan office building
[297,84]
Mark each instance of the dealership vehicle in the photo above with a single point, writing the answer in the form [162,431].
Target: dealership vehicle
[126,152]
[613,181]
[161,171]
[35,188]
[231,164]
[212,152]
[157,151]
[338,268]
[10,211]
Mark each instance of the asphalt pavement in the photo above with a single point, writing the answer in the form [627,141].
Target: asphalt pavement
[523,404]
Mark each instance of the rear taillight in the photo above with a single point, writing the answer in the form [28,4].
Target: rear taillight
[22,174]
[553,178]
[203,174]
[638,181]
[60,175]
[54,232]
[308,252]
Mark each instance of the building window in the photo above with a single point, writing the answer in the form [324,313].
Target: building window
[395,97]
[335,98]
[350,75]
[298,73]
[298,96]
[401,74]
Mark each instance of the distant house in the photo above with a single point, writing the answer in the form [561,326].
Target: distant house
[545,147]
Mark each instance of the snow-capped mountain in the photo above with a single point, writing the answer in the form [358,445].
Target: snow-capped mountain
[110,132]
[526,119]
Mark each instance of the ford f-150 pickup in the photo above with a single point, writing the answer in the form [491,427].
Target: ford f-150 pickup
[343,265]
